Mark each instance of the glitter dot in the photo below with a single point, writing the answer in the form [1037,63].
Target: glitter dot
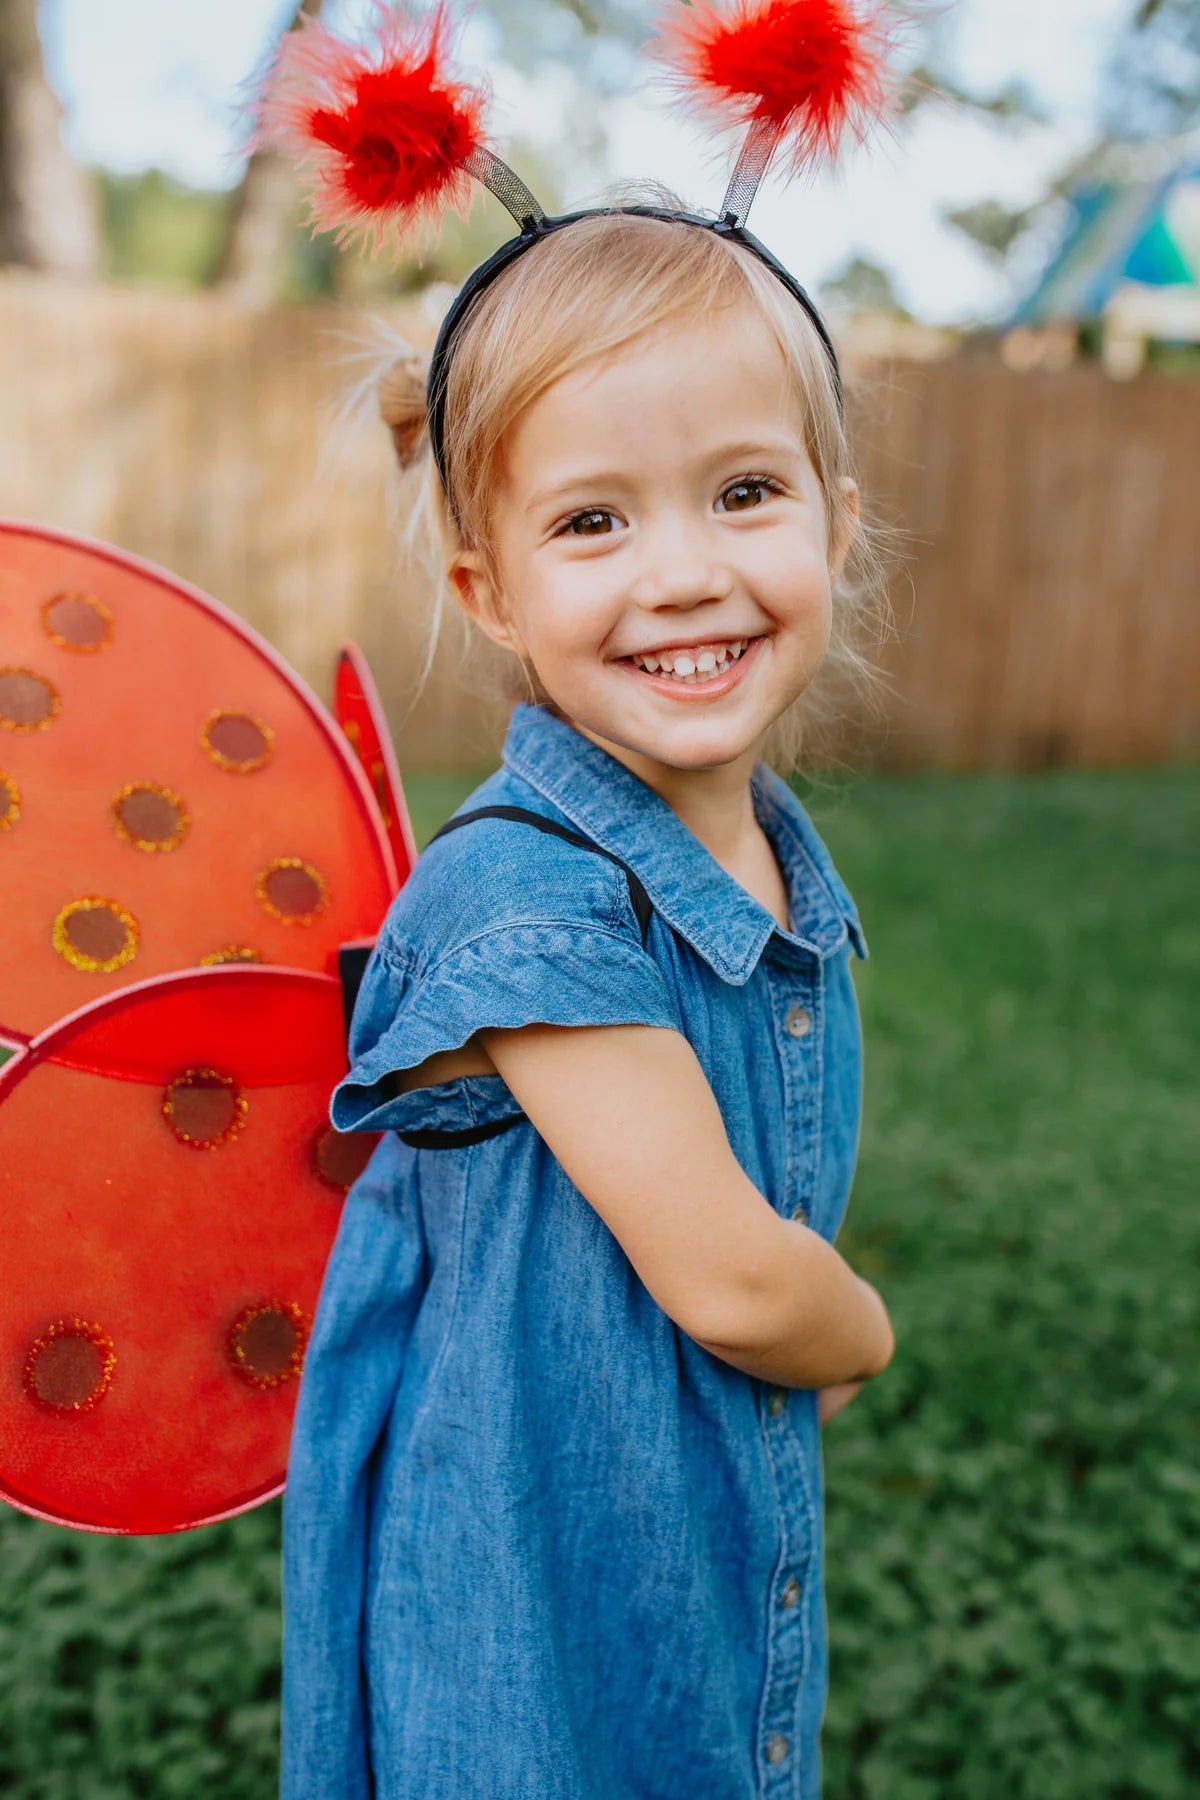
[292,890]
[69,1366]
[267,1342]
[150,817]
[339,1158]
[10,802]
[96,935]
[204,1108]
[28,702]
[77,622]
[236,741]
[230,953]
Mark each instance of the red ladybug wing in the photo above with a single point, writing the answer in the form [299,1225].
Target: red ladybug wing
[360,714]
[170,793]
[169,1192]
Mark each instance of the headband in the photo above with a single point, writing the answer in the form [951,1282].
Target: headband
[391,138]
[486,273]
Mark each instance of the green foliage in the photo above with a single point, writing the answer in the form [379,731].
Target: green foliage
[863,286]
[157,229]
[134,1667]
[1014,1509]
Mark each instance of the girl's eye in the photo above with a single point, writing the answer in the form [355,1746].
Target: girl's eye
[740,496]
[596,522]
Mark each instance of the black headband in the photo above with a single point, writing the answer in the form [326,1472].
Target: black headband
[533,230]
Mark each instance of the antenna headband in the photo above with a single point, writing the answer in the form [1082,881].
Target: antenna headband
[533,231]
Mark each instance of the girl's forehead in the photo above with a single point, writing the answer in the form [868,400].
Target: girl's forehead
[734,344]
[693,379]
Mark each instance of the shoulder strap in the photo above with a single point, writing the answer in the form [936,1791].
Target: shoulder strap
[640,900]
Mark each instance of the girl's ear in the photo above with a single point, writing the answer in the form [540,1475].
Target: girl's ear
[480,596]
[845,526]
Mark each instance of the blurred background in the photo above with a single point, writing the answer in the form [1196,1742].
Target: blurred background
[1013,278]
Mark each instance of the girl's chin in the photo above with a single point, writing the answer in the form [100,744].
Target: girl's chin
[695,747]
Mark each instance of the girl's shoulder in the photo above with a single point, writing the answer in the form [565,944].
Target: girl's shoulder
[498,874]
[500,925]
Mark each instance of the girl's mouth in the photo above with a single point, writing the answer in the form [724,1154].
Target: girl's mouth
[703,671]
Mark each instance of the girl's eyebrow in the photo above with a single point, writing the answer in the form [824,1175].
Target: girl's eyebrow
[613,479]
[586,478]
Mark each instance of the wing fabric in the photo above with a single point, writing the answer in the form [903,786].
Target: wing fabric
[360,714]
[170,793]
[186,840]
[169,1192]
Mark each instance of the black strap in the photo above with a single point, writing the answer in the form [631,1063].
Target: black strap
[640,900]
[643,909]
[458,1140]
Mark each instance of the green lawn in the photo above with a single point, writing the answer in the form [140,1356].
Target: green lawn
[1014,1510]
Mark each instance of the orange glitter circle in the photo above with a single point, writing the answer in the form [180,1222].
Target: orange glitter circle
[339,1157]
[28,702]
[78,622]
[266,1343]
[95,934]
[69,1366]
[10,802]
[204,1109]
[150,817]
[237,741]
[292,890]
[230,953]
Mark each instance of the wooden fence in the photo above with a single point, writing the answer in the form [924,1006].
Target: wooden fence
[1048,613]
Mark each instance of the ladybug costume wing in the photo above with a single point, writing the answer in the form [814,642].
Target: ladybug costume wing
[172,801]
[171,795]
[359,712]
[170,1190]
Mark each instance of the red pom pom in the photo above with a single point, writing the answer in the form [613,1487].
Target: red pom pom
[810,68]
[383,131]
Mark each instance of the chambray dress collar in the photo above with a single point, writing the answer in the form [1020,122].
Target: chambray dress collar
[690,890]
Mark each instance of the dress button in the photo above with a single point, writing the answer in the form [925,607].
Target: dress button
[790,1595]
[800,1212]
[777,1748]
[777,1402]
[798,1023]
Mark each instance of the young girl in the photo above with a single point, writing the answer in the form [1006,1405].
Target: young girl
[553,1518]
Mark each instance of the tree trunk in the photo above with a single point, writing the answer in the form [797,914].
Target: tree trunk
[48,211]
[260,220]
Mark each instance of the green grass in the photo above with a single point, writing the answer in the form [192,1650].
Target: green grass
[1014,1510]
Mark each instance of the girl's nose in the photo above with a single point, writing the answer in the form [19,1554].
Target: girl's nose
[676,572]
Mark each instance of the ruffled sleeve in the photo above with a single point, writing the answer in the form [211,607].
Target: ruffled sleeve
[496,932]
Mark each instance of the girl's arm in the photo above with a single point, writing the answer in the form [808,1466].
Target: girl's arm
[628,1112]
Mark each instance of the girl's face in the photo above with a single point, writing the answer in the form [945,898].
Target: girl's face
[661,548]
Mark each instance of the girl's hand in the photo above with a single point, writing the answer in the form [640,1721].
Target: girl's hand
[831,1400]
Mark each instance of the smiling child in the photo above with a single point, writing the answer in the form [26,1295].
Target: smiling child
[553,1521]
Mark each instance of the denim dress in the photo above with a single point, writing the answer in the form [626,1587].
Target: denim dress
[538,1544]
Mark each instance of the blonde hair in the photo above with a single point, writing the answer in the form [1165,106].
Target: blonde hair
[584,293]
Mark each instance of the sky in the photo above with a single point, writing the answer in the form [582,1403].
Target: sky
[156,83]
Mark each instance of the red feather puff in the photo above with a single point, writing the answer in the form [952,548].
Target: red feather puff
[810,68]
[382,130]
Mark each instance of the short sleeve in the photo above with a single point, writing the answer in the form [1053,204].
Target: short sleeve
[495,935]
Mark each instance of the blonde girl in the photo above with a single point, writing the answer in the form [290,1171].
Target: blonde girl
[553,1524]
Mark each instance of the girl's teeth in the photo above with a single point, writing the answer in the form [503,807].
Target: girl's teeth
[694,669]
